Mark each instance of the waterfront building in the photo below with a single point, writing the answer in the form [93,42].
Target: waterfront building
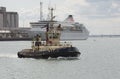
[8,20]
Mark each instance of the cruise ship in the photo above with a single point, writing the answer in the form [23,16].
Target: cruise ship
[71,30]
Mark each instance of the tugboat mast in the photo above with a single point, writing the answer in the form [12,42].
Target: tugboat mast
[49,25]
[41,13]
[52,17]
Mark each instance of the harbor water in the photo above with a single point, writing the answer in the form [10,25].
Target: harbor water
[99,59]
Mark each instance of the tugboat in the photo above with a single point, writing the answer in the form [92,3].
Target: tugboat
[52,47]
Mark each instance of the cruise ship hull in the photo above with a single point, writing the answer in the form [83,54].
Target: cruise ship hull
[74,35]
[65,35]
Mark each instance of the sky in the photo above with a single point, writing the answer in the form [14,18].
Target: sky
[98,16]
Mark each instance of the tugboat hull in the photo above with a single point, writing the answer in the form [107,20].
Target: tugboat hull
[60,52]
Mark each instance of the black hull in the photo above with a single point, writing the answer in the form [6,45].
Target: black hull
[60,52]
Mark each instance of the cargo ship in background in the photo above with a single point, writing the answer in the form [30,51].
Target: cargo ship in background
[71,30]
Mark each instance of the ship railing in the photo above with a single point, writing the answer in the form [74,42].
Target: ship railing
[41,47]
[61,43]
[65,44]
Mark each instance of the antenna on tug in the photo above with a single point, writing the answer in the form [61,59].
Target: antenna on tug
[41,12]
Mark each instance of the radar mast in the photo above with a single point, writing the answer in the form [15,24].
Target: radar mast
[41,12]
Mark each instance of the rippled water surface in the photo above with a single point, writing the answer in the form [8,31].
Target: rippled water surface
[100,59]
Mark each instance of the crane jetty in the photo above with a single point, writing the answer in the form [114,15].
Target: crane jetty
[52,47]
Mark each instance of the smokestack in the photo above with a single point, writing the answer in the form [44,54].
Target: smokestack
[69,19]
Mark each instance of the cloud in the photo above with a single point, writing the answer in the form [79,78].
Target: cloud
[96,15]
[62,11]
[100,9]
[76,2]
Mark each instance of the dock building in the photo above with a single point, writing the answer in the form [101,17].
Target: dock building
[8,20]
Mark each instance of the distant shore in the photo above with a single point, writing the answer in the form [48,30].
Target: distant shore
[104,35]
